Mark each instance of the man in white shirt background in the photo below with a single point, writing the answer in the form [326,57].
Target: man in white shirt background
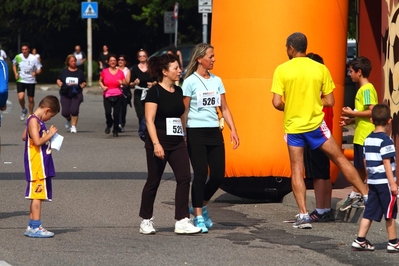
[26,67]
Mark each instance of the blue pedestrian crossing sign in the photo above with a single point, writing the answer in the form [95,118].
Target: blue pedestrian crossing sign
[89,10]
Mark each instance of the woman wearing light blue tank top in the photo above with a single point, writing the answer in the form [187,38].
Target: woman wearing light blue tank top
[204,97]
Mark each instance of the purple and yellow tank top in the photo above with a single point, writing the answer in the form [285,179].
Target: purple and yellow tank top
[38,160]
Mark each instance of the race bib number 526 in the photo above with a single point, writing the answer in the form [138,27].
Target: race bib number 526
[208,99]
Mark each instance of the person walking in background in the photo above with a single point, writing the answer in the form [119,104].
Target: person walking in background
[379,154]
[127,94]
[201,125]
[142,81]
[3,55]
[173,51]
[103,58]
[111,80]
[71,82]
[3,86]
[39,166]
[366,98]
[165,143]
[317,167]
[26,67]
[80,58]
[34,52]
[300,82]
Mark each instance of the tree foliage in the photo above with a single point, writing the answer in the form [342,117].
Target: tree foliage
[352,18]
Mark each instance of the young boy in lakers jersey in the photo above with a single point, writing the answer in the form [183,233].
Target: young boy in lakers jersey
[39,166]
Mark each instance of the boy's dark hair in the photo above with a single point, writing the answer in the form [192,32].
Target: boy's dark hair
[315,57]
[299,41]
[51,102]
[362,63]
[380,114]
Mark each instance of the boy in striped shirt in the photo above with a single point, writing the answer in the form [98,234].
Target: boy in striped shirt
[379,155]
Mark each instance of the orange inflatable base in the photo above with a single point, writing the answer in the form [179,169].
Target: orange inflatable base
[270,188]
[349,154]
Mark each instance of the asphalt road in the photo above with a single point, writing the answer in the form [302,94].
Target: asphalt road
[94,213]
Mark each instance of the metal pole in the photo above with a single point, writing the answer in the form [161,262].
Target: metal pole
[204,27]
[176,17]
[89,53]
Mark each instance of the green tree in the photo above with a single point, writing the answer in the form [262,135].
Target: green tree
[352,18]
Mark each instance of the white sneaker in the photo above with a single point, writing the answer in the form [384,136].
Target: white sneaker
[186,226]
[40,233]
[73,129]
[23,114]
[67,124]
[147,227]
[28,230]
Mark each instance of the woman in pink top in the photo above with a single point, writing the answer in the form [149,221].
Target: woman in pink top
[111,81]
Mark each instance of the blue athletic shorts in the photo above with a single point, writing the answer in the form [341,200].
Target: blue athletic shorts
[313,138]
[380,202]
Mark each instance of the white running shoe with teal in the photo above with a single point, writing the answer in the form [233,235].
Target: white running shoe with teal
[205,214]
[200,222]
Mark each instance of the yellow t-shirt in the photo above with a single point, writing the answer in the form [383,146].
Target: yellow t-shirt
[365,96]
[301,81]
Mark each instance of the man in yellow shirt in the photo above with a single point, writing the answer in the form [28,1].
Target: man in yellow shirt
[296,87]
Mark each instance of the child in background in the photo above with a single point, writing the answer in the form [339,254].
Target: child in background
[39,166]
[366,98]
[379,154]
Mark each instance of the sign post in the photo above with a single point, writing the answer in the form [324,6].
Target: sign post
[176,15]
[89,11]
[204,7]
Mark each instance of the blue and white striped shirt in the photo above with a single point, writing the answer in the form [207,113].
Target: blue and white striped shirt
[377,147]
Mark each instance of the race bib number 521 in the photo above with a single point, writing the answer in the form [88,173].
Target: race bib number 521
[174,127]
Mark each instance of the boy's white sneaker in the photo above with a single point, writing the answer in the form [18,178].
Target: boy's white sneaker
[40,232]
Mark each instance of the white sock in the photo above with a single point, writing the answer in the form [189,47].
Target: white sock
[320,211]
[301,215]
[354,195]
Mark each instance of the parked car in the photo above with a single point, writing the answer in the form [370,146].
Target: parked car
[185,52]
[350,50]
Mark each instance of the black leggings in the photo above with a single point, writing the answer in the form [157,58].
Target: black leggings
[179,162]
[204,156]
[112,109]
[138,104]
[70,106]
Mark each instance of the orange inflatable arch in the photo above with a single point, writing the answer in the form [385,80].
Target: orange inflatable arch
[249,40]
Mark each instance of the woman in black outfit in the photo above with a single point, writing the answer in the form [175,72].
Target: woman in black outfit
[165,143]
[141,80]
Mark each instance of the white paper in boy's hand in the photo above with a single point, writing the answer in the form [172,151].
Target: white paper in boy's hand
[56,141]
